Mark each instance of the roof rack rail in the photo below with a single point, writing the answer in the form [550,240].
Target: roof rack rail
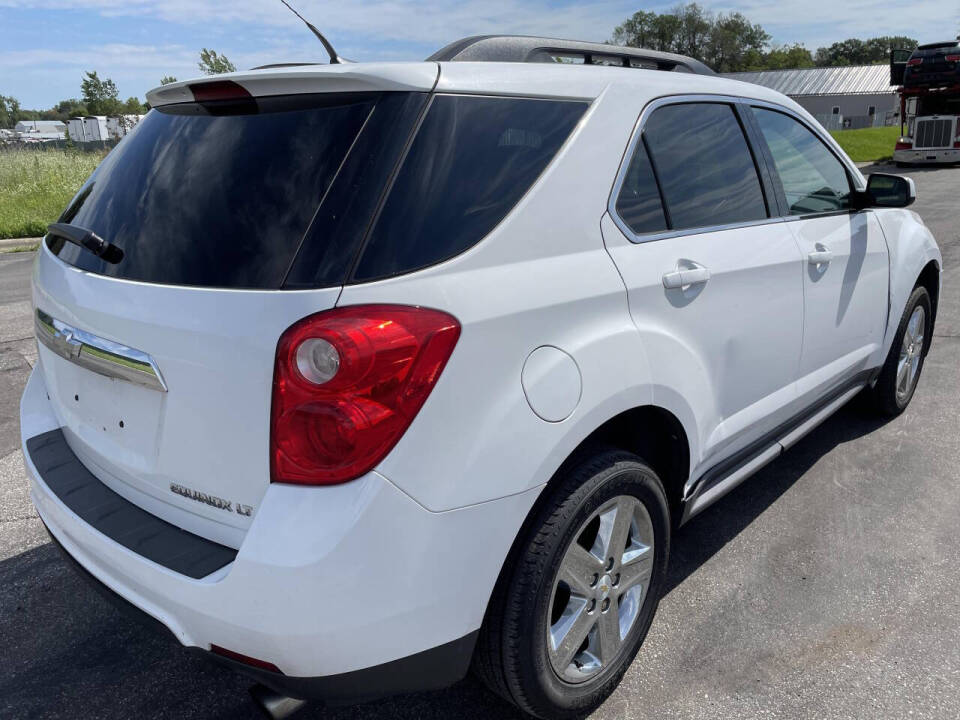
[530,49]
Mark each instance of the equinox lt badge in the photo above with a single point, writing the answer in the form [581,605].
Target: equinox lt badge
[211,500]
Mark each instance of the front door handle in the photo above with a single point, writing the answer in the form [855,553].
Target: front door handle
[685,276]
[821,256]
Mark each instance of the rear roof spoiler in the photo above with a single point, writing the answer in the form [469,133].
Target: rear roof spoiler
[530,49]
[309,78]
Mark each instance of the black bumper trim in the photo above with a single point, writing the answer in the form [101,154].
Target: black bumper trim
[118,518]
[432,669]
[125,607]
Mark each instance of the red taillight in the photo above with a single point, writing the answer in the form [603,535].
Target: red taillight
[952,58]
[218,90]
[915,61]
[347,384]
[903,144]
[245,659]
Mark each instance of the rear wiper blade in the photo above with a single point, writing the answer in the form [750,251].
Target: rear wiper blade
[87,239]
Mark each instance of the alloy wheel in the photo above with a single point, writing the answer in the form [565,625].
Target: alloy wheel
[911,353]
[599,589]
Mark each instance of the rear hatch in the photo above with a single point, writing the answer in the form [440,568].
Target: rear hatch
[237,215]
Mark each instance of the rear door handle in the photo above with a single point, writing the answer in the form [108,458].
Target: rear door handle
[682,277]
[821,256]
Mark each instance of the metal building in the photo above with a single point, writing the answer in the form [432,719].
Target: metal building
[839,97]
[39,130]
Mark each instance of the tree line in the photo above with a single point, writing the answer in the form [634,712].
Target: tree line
[100,96]
[729,42]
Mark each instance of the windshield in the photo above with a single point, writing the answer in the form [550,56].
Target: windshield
[938,105]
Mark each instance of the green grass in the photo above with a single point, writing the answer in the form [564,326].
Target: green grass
[36,185]
[869,144]
[21,248]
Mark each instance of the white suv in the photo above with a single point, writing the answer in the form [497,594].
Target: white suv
[355,376]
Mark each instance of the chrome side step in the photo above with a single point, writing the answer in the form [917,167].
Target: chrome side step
[704,497]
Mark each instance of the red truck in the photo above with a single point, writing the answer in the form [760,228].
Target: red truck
[929,88]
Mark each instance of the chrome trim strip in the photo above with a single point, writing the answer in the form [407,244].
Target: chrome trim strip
[98,354]
[792,438]
[778,441]
[725,100]
[712,494]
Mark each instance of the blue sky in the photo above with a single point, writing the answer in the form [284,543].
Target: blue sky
[45,45]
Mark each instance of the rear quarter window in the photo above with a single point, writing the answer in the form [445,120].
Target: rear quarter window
[471,161]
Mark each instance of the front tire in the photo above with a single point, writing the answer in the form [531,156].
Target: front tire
[901,371]
[576,599]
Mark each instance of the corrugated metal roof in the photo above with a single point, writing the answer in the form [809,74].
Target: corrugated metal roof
[852,80]
[39,126]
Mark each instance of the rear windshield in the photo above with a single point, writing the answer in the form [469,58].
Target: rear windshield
[312,191]
[934,50]
[216,195]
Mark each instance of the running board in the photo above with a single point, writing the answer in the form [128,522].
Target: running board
[707,493]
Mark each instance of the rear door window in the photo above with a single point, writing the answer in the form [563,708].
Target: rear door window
[706,171]
[217,194]
[470,163]
[813,178]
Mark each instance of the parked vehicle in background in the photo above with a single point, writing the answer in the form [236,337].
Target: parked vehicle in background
[353,377]
[933,65]
[930,103]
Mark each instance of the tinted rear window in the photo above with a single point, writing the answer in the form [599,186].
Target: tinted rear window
[706,171]
[216,195]
[472,160]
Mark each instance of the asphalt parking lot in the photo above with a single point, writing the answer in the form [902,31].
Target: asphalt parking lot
[828,586]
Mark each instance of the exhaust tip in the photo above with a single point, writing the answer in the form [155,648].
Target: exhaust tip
[274,705]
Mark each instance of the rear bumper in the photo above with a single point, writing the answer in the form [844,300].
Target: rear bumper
[327,582]
[428,670]
[927,157]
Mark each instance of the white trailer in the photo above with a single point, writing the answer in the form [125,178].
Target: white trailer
[120,125]
[95,128]
[75,129]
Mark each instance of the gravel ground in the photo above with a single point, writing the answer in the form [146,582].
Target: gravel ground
[824,587]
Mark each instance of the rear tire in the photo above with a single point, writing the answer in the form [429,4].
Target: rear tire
[590,563]
[901,371]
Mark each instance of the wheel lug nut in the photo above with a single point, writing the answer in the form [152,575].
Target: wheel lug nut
[605,605]
[592,607]
[610,564]
[616,579]
[596,579]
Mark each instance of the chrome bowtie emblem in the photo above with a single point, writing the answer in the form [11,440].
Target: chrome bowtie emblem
[74,346]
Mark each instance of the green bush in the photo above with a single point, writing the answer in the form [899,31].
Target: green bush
[37,184]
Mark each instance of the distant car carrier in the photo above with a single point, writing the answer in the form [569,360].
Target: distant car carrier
[929,80]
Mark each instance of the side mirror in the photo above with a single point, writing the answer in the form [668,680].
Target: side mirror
[888,191]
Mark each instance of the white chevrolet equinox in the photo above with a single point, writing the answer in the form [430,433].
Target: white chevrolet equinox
[356,376]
